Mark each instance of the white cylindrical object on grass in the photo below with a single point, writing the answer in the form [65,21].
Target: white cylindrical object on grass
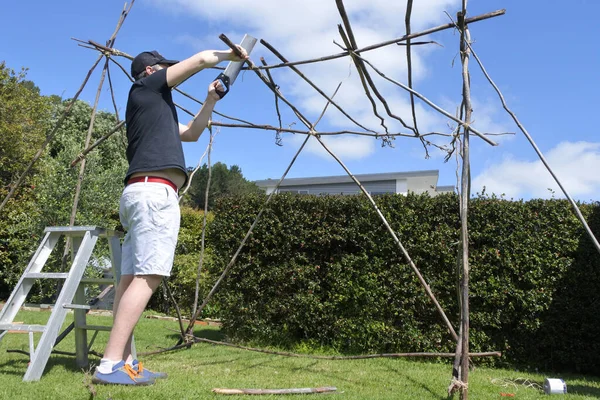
[555,386]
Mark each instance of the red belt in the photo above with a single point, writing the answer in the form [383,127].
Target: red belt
[154,179]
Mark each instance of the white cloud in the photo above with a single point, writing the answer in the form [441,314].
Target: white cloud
[576,165]
[488,116]
[306,29]
[346,148]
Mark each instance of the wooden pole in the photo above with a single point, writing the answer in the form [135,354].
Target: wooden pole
[464,205]
[204,223]
[326,389]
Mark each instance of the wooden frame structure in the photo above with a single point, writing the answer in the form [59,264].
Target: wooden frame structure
[459,143]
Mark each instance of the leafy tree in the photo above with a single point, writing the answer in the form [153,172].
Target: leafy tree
[46,197]
[103,179]
[24,119]
[223,182]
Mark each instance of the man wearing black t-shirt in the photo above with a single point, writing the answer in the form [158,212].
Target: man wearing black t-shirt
[149,207]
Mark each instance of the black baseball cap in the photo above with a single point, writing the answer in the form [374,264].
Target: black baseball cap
[148,58]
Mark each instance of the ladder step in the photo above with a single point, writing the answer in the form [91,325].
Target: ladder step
[106,281]
[46,275]
[74,230]
[22,327]
[77,306]
[82,307]
[96,328]
[81,230]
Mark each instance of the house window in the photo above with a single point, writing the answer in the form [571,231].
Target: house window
[293,191]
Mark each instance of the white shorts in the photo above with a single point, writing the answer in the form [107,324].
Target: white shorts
[149,212]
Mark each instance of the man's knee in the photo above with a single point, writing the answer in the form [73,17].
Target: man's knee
[152,281]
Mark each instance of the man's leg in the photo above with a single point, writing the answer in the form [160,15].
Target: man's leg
[124,283]
[129,309]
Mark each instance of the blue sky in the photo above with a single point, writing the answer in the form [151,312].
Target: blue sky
[544,56]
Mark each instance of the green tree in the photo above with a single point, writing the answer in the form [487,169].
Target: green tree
[24,120]
[223,182]
[46,197]
[105,169]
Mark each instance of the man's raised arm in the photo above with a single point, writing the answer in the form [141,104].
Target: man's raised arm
[205,59]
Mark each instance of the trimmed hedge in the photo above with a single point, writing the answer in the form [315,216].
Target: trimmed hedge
[324,271]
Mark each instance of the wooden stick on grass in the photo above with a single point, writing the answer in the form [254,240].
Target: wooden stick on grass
[325,389]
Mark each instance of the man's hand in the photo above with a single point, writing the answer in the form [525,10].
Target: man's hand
[194,129]
[213,90]
[233,57]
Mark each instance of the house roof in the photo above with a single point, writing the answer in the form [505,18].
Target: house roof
[345,178]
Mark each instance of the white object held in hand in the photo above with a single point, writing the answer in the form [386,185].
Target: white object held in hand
[232,70]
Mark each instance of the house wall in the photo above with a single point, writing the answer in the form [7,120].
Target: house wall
[401,186]
[375,187]
[401,183]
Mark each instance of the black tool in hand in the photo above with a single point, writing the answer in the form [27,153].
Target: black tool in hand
[232,70]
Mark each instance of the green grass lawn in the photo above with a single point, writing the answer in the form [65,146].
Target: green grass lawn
[194,372]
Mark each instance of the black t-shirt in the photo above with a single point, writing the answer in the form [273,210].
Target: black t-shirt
[152,126]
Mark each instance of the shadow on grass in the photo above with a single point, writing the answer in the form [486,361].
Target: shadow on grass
[305,367]
[588,391]
[415,382]
[14,367]
[68,363]
[205,333]
[19,367]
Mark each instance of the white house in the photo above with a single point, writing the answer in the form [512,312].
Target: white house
[389,182]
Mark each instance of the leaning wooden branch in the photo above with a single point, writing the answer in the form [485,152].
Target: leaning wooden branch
[389,42]
[191,339]
[277,134]
[430,103]
[363,82]
[112,94]
[538,152]
[177,309]
[350,41]
[398,242]
[409,43]
[342,358]
[268,83]
[242,244]
[82,155]
[112,51]
[304,132]
[315,134]
[191,175]
[273,87]
[204,223]
[409,4]
[313,85]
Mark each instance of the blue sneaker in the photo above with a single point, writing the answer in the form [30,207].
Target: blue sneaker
[139,368]
[122,374]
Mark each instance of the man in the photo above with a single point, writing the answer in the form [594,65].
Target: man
[149,207]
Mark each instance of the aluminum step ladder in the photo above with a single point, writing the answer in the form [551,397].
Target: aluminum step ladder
[84,239]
